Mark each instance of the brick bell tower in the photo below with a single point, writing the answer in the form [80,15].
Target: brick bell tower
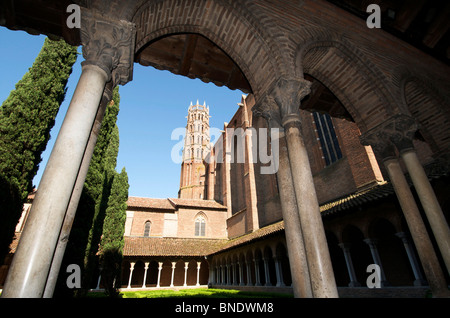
[196,148]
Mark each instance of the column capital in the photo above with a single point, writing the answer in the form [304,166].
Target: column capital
[396,132]
[108,44]
[267,108]
[288,92]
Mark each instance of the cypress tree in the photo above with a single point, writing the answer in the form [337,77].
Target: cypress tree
[26,118]
[112,242]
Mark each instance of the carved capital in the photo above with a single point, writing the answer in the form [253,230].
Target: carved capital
[109,45]
[397,132]
[268,109]
[288,92]
[402,130]
[380,143]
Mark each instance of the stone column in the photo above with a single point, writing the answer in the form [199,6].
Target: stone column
[32,261]
[301,283]
[257,278]
[198,274]
[266,272]
[160,265]
[376,259]
[241,273]
[131,274]
[404,128]
[186,265]
[430,204]
[74,199]
[173,273]
[233,270]
[145,274]
[249,273]
[348,261]
[419,279]
[287,94]
[228,268]
[279,272]
[379,138]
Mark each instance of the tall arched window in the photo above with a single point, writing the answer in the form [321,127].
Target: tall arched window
[200,225]
[147,227]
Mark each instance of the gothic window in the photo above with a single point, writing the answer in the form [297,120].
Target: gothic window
[200,225]
[148,224]
[327,137]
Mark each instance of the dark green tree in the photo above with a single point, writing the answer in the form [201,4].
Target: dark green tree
[26,118]
[112,242]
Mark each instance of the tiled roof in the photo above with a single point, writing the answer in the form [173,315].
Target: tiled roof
[167,246]
[206,204]
[258,234]
[163,204]
[173,204]
[376,192]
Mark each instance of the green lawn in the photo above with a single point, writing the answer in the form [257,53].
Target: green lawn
[200,292]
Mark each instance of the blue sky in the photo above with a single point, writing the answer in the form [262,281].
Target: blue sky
[151,107]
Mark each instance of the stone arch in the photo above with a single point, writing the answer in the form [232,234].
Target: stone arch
[363,90]
[429,105]
[219,22]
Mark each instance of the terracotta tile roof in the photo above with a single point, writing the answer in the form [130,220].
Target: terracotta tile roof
[206,204]
[247,238]
[374,193]
[173,204]
[167,246]
[162,204]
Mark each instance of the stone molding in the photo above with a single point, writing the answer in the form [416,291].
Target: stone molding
[108,45]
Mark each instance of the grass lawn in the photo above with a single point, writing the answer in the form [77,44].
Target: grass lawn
[189,293]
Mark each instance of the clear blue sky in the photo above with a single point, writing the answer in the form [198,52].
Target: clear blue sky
[151,107]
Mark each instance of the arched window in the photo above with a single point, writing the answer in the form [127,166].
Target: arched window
[147,227]
[200,225]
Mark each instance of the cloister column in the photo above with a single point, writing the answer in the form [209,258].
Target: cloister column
[279,272]
[131,274]
[257,277]
[241,273]
[76,194]
[145,274]
[233,271]
[249,273]
[173,273]
[402,138]
[108,49]
[378,138]
[376,259]
[160,265]
[266,272]
[348,261]
[198,274]
[419,280]
[288,93]
[301,283]
[186,266]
